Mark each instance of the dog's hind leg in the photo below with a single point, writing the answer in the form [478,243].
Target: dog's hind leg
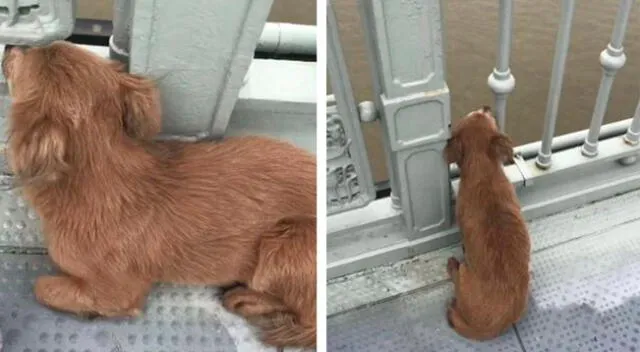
[287,270]
[103,298]
[276,272]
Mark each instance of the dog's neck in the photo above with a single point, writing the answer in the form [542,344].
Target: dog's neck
[478,166]
[94,162]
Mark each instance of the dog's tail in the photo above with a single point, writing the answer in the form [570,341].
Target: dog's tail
[287,268]
[460,325]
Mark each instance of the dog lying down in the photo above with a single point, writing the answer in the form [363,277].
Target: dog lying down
[492,284]
[121,212]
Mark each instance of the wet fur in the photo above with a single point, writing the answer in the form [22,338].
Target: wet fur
[492,284]
[120,211]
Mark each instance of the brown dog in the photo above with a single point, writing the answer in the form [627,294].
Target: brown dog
[492,284]
[120,211]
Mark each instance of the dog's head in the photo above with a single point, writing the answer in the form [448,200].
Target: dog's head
[478,133]
[63,95]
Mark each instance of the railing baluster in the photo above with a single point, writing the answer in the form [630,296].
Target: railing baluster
[501,81]
[612,59]
[555,89]
[633,133]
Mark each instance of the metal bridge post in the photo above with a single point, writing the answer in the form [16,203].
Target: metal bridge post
[405,41]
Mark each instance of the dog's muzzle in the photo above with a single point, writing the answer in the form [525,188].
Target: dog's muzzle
[8,47]
[5,54]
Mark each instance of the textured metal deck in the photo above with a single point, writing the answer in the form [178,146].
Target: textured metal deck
[176,319]
[585,292]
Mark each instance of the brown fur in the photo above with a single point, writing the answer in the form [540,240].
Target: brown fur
[120,211]
[492,284]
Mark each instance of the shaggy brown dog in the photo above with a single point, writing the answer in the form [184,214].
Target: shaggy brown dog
[492,284]
[120,211]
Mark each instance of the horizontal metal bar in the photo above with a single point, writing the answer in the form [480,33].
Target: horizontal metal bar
[288,38]
[563,142]
[568,160]
[356,219]
[558,143]
[276,38]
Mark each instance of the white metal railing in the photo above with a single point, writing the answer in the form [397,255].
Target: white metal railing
[412,103]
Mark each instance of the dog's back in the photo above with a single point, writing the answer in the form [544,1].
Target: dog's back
[201,213]
[492,285]
[493,282]
[258,195]
[219,198]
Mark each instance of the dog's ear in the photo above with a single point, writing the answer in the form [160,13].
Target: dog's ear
[502,147]
[453,149]
[39,151]
[142,109]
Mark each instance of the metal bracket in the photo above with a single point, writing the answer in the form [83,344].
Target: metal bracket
[523,168]
[36,22]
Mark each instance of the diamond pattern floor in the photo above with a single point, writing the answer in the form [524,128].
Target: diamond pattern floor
[585,292]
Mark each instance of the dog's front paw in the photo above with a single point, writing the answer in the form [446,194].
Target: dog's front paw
[452,266]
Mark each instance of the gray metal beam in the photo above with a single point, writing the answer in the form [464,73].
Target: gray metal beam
[199,54]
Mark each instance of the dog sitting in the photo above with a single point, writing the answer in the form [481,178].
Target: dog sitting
[492,284]
[121,211]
